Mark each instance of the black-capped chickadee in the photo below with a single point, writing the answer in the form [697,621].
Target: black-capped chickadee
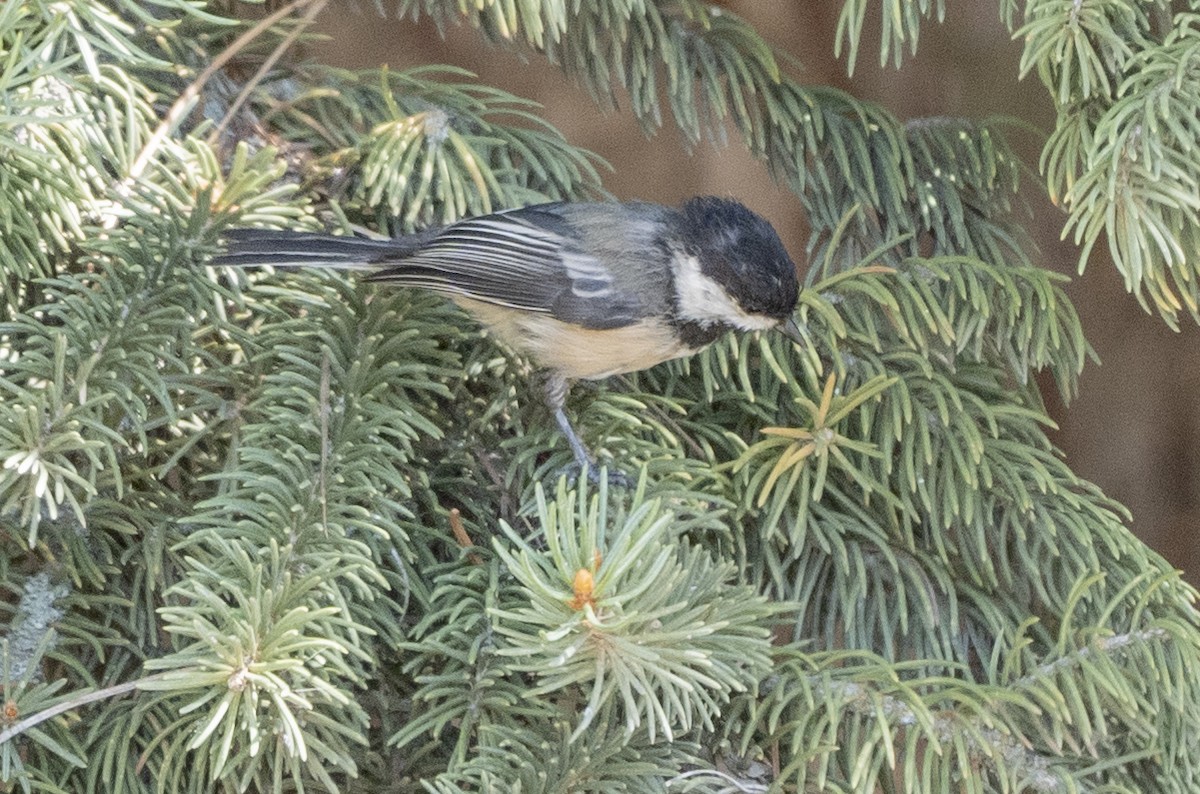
[585,290]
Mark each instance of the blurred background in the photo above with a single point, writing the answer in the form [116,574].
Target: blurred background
[1134,426]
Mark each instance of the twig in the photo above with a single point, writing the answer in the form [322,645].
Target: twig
[1035,768]
[184,103]
[17,728]
[747,786]
[280,49]
[1108,645]
[461,536]
[497,476]
[323,410]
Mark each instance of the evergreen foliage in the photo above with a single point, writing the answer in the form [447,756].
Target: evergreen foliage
[287,532]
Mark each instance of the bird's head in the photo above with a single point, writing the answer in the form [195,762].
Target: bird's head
[735,271]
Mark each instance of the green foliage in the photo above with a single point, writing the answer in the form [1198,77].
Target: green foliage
[602,760]
[900,24]
[287,532]
[1121,158]
[639,616]
[412,149]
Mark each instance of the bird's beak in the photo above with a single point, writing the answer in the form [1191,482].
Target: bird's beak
[792,331]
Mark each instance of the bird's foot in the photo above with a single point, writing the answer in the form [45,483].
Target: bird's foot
[556,392]
[595,474]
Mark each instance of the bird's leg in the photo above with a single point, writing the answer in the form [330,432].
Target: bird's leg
[556,398]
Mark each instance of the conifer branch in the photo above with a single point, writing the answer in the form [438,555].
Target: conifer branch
[188,96]
[855,563]
[986,744]
[315,7]
[73,702]
[1107,645]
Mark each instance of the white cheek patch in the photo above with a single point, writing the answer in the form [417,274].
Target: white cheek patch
[704,301]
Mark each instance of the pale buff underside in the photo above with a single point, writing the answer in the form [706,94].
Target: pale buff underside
[577,352]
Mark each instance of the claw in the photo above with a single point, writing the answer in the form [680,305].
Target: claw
[616,477]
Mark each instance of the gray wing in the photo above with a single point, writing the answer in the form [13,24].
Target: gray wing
[531,259]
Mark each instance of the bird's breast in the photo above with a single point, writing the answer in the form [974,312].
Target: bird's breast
[579,352]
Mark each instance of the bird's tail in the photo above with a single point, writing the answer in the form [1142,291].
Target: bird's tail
[251,247]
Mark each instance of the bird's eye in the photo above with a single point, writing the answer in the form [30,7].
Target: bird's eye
[753,307]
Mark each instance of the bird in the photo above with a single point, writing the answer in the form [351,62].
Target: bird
[585,290]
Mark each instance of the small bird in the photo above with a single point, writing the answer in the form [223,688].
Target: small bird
[585,290]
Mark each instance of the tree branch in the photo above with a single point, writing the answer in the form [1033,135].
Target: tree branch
[189,94]
[17,728]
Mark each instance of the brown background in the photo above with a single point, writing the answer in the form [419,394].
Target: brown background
[1133,428]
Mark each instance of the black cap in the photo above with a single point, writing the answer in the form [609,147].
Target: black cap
[741,251]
